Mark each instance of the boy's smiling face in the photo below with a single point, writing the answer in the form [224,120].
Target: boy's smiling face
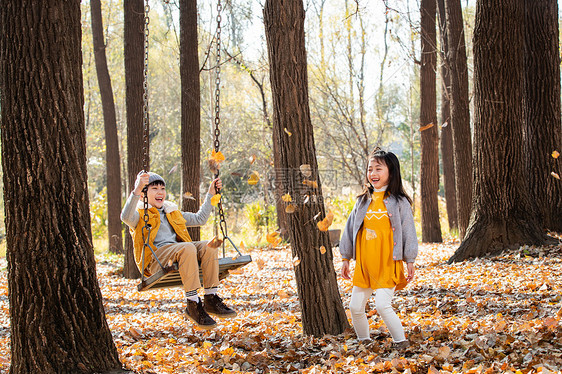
[156,195]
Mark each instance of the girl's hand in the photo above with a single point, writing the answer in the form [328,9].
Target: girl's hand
[345,273]
[140,183]
[215,184]
[411,271]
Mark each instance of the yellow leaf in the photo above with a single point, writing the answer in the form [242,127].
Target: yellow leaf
[291,208]
[428,126]
[286,198]
[218,157]
[326,222]
[312,184]
[555,175]
[254,178]
[273,237]
[322,249]
[188,195]
[215,199]
[555,154]
[252,159]
[242,246]
[288,132]
[306,170]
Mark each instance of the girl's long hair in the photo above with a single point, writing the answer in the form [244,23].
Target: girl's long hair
[395,186]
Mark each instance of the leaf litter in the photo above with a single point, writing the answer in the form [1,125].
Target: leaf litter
[491,315]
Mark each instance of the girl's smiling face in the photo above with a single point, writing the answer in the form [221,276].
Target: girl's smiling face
[377,173]
[156,195]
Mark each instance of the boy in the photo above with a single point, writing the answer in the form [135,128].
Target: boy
[171,242]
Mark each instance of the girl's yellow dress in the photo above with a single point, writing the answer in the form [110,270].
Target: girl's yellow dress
[375,268]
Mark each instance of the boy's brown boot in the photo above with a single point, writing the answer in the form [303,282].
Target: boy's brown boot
[196,313]
[215,306]
[215,242]
[400,346]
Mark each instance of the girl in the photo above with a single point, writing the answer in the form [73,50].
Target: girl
[379,235]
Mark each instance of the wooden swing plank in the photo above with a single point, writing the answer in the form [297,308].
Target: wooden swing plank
[169,276]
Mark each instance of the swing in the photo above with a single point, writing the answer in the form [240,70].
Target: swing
[168,275]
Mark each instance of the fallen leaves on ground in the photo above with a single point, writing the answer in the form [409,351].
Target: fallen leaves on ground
[492,315]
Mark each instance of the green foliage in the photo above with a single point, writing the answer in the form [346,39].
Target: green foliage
[260,216]
[98,214]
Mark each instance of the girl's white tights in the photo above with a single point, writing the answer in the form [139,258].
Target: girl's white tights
[383,299]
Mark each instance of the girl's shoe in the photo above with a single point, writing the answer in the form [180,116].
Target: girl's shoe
[400,346]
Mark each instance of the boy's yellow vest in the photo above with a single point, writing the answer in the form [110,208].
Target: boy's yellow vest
[175,219]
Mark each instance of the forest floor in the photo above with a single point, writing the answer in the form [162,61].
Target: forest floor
[501,314]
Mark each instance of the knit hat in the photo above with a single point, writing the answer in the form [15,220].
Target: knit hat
[153,177]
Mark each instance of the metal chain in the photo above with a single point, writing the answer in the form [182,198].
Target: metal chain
[146,122]
[222,219]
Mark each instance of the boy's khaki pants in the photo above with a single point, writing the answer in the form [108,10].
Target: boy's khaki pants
[188,255]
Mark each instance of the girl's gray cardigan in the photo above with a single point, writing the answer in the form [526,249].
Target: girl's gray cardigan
[401,220]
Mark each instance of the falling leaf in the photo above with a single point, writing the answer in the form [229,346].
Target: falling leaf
[273,238]
[316,216]
[290,208]
[444,124]
[371,234]
[309,183]
[555,175]
[555,154]
[288,132]
[188,195]
[218,157]
[326,222]
[428,126]
[322,249]
[173,169]
[306,198]
[296,261]
[254,178]
[242,246]
[306,170]
[287,198]
[252,159]
[215,199]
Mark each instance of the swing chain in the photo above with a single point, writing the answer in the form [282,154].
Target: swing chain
[222,219]
[145,89]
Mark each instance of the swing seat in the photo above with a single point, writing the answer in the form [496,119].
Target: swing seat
[169,276]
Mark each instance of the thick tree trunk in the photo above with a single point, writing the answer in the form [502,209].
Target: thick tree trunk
[431,227]
[134,63]
[447,153]
[190,109]
[460,113]
[56,309]
[322,309]
[112,160]
[543,132]
[503,215]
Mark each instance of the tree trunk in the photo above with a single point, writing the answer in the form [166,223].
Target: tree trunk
[56,308]
[543,133]
[113,171]
[503,215]
[190,109]
[322,309]
[460,112]
[431,227]
[134,63]
[447,152]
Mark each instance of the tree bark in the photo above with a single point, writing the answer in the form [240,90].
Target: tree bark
[112,160]
[431,227]
[190,109]
[134,63]
[447,151]
[56,308]
[460,112]
[543,133]
[321,306]
[503,215]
